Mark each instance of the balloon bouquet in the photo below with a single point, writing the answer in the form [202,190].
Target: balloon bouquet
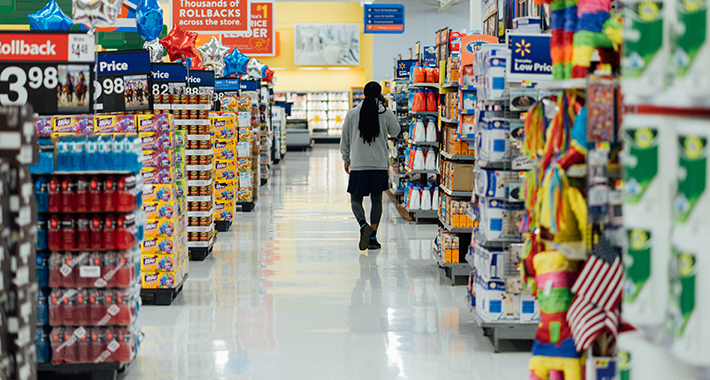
[179,43]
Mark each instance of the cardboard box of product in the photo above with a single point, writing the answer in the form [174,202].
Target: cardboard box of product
[225,149]
[224,127]
[161,280]
[160,245]
[226,170]
[159,175]
[225,190]
[461,175]
[155,228]
[224,211]
[158,263]
[161,210]
[159,193]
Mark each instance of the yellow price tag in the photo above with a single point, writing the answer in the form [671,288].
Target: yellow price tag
[338,119]
[316,119]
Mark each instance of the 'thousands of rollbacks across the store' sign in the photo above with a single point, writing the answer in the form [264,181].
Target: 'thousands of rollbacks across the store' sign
[404,67]
[123,82]
[384,18]
[211,16]
[51,71]
[529,57]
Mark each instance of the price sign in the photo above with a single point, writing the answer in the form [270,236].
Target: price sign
[201,82]
[123,81]
[169,79]
[249,85]
[50,71]
[226,87]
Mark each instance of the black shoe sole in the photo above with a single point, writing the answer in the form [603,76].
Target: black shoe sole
[365,237]
[375,247]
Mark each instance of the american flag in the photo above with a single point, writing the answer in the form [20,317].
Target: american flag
[595,308]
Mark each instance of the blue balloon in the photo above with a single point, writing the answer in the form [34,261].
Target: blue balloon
[235,63]
[149,19]
[50,17]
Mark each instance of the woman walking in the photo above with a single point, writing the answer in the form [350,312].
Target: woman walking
[364,149]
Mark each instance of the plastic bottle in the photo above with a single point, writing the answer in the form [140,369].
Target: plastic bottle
[55,262]
[123,302]
[96,307]
[76,154]
[125,231]
[110,201]
[70,353]
[54,195]
[119,154]
[109,270]
[42,270]
[125,345]
[126,194]
[82,195]
[42,232]
[111,342]
[43,345]
[83,348]
[42,194]
[63,144]
[79,261]
[68,233]
[122,277]
[431,103]
[68,194]
[82,313]
[96,229]
[91,153]
[109,233]
[96,194]
[67,271]
[57,340]
[83,233]
[42,307]
[105,156]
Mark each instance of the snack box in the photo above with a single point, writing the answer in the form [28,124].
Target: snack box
[181,188]
[245,134]
[159,263]
[225,149]
[161,210]
[225,170]
[180,171]
[83,124]
[126,124]
[161,245]
[180,139]
[155,123]
[224,211]
[224,191]
[244,165]
[158,193]
[161,280]
[62,124]
[157,140]
[180,155]
[244,119]
[155,176]
[158,158]
[245,194]
[155,228]
[224,127]
[105,124]
[243,150]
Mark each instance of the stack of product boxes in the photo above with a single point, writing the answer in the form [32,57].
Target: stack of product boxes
[18,218]
[225,187]
[164,251]
[448,245]
[455,212]
[454,145]
[247,151]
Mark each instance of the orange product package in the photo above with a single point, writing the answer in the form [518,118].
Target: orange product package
[432,75]
[431,101]
[419,74]
[419,101]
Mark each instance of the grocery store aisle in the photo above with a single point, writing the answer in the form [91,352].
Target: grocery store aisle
[288,295]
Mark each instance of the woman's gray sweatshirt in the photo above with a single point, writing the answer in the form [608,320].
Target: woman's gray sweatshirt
[359,154]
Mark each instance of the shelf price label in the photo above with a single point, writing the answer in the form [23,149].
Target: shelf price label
[169,79]
[50,71]
[226,87]
[201,82]
[123,81]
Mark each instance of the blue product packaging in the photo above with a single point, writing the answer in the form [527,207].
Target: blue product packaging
[91,148]
[42,234]
[43,346]
[42,308]
[119,155]
[492,183]
[63,144]
[105,156]
[42,194]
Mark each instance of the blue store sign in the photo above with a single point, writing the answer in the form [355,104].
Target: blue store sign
[529,57]
[403,68]
[384,18]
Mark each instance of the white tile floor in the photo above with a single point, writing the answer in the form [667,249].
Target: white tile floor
[288,295]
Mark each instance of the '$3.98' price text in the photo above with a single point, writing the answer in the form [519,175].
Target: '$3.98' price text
[19,80]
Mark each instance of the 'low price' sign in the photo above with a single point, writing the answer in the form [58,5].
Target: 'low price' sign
[529,57]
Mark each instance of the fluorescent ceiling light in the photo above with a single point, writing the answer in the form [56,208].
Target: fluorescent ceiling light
[277,68]
[311,68]
[338,68]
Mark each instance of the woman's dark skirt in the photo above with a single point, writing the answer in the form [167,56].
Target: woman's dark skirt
[366,182]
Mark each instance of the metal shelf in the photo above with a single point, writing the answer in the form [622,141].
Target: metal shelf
[425,113]
[506,330]
[432,85]
[453,270]
[424,143]
[467,112]
[499,243]
[450,156]
[424,214]
[565,84]
[455,230]
[453,84]
[410,171]
[455,193]
[467,87]
[449,121]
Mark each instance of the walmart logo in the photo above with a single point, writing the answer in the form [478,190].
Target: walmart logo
[402,66]
[522,48]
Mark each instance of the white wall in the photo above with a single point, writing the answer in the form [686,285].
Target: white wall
[420,24]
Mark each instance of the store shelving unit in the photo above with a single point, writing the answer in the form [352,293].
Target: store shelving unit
[455,193]
[454,157]
[426,85]
[457,272]
[324,111]
[423,214]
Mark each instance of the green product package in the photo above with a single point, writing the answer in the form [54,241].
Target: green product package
[681,300]
[643,36]
[625,365]
[641,168]
[692,175]
[692,36]
[637,262]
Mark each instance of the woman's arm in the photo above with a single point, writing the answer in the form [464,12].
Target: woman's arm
[345,142]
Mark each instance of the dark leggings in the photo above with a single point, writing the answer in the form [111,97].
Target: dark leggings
[359,211]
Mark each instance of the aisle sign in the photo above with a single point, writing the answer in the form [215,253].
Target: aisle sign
[50,71]
[211,16]
[201,82]
[260,41]
[403,68]
[529,57]
[124,80]
[249,85]
[168,79]
[384,18]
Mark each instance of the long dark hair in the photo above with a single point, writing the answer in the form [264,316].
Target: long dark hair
[369,124]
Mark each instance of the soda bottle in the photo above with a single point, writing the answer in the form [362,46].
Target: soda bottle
[109,270]
[96,194]
[57,340]
[83,308]
[56,318]
[97,345]
[70,354]
[54,195]
[54,233]
[79,261]
[68,194]
[83,233]
[96,229]
[67,271]
[110,194]
[82,195]
[111,344]
[125,345]
[125,231]
[68,233]
[55,274]
[42,194]
[96,306]
[122,277]
[109,232]
[69,307]
[83,348]
[96,261]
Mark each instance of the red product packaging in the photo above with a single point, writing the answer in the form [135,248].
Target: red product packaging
[93,273]
[83,308]
[69,307]
[80,262]
[110,194]
[56,317]
[67,271]
[419,74]
[108,271]
[96,230]
[430,78]
[54,234]
[419,101]
[109,232]
[82,195]
[125,231]
[70,354]
[83,348]
[68,194]
[97,346]
[110,307]
[55,275]
[111,345]
[54,202]
[124,270]
[125,345]
[97,308]
[126,194]
[431,101]
[83,235]
[57,342]
[123,308]
[96,194]
[68,233]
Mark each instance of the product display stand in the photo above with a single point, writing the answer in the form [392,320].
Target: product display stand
[98,371]
[162,296]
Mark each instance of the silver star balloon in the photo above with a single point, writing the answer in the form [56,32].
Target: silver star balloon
[95,13]
[254,68]
[217,68]
[155,48]
[213,53]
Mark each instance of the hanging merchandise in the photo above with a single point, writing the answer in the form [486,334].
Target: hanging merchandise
[213,54]
[149,19]
[235,63]
[180,44]
[50,17]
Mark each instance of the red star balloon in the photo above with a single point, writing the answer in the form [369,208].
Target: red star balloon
[269,75]
[180,44]
[196,63]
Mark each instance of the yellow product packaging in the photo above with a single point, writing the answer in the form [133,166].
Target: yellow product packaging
[244,194]
[224,191]
[224,211]
[180,139]
[160,245]
[155,228]
[159,192]
[153,176]
[225,149]
[225,170]
[105,124]
[245,134]
[158,263]
[229,104]
[244,165]
[159,280]
[181,188]
[161,210]
[61,125]
[224,127]
[180,171]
